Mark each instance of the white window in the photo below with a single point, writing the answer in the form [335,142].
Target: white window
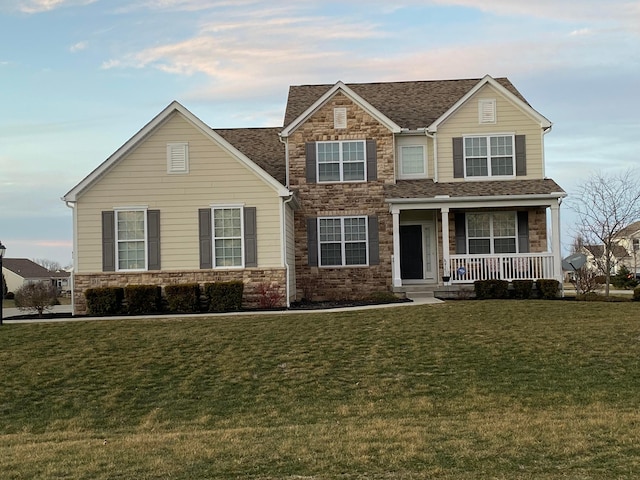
[492,232]
[228,248]
[343,241]
[131,239]
[343,161]
[486,111]
[340,117]
[489,156]
[413,162]
[177,157]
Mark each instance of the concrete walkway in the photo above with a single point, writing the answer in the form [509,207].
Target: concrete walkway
[12,312]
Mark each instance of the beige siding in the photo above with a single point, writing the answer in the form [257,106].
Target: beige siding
[13,280]
[509,119]
[141,179]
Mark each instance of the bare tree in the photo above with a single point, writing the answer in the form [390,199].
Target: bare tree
[605,204]
[36,297]
[50,265]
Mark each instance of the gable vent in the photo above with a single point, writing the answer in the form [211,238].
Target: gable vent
[340,117]
[487,111]
[178,158]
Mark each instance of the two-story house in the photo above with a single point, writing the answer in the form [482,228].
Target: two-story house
[366,188]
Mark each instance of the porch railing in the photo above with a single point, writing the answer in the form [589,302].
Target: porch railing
[508,266]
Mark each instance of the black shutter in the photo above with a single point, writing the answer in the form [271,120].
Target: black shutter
[458,157]
[523,232]
[206,245]
[461,233]
[372,160]
[108,241]
[153,239]
[310,151]
[374,242]
[521,155]
[312,241]
[250,238]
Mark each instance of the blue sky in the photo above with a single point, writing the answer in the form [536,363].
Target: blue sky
[78,78]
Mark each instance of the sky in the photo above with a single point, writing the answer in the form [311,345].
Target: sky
[78,78]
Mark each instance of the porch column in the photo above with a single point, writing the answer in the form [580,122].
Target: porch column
[446,261]
[556,248]
[397,280]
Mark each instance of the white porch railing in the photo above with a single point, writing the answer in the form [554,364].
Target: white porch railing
[507,266]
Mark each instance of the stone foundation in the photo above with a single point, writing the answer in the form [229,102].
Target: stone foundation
[253,278]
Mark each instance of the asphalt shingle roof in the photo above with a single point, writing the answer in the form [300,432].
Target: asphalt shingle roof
[26,268]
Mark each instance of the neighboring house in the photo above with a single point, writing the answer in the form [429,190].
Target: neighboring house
[366,188]
[596,258]
[629,239]
[21,271]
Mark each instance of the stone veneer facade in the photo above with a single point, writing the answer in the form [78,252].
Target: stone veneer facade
[341,199]
[252,278]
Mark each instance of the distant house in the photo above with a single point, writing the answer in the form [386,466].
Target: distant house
[376,187]
[629,239]
[596,257]
[21,271]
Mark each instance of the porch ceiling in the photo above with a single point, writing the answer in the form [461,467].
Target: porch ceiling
[428,189]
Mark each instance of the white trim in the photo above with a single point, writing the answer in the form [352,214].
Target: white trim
[117,211]
[339,118]
[425,164]
[215,207]
[488,80]
[487,111]
[354,97]
[173,108]
[177,158]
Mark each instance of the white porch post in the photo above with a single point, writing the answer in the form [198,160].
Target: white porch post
[556,247]
[397,280]
[446,260]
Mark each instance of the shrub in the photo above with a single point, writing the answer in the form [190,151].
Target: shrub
[104,300]
[142,299]
[184,298]
[636,294]
[548,288]
[270,295]
[224,296]
[10,296]
[522,288]
[624,279]
[492,288]
[37,297]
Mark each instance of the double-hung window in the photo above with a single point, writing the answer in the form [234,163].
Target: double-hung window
[489,233]
[227,236]
[343,241]
[343,161]
[489,156]
[131,239]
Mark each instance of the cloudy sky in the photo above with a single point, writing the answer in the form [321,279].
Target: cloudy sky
[78,78]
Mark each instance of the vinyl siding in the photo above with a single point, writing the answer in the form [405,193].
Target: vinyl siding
[141,179]
[510,119]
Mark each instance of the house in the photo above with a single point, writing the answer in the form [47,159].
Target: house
[21,271]
[597,259]
[629,239]
[365,188]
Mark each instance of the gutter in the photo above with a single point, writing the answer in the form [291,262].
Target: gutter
[72,206]
[287,268]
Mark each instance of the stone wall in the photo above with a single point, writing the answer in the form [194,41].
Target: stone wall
[252,278]
[341,199]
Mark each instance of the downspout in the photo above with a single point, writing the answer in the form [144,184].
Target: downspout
[544,161]
[284,221]
[435,153]
[72,206]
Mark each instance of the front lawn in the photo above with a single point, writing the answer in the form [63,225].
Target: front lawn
[461,390]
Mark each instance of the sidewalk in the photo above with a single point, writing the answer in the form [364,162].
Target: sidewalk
[12,312]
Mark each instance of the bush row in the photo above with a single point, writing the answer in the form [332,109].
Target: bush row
[148,299]
[522,289]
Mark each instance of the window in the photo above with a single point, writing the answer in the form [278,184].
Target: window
[131,239]
[343,241]
[227,237]
[489,156]
[177,157]
[412,161]
[341,161]
[636,244]
[492,232]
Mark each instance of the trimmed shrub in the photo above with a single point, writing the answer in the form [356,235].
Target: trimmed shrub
[548,289]
[184,298]
[522,288]
[636,294]
[492,288]
[142,299]
[224,296]
[104,300]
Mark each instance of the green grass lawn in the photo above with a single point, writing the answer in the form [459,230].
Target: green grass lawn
[461,390]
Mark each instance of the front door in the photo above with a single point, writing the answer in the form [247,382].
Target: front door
[417,251]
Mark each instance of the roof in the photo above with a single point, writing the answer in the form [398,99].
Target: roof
[597,251]
[26,268]
[411,105]
[424,189]
[262,145]
[629,230]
